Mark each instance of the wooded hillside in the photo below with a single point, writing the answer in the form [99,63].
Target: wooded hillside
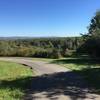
[40,47]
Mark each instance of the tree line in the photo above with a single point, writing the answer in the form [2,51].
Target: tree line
[40,47]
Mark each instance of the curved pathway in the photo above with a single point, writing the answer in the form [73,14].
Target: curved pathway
[39,67]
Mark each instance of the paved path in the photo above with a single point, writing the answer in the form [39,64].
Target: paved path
[53,82]
[40,67]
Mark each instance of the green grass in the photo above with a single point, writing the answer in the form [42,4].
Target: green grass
[78,63]
[14,80]
[43,59]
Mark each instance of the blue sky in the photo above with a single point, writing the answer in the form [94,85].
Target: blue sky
[46,17]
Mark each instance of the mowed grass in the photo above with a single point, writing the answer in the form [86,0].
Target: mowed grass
[78,63]
[14,80]
[48,60]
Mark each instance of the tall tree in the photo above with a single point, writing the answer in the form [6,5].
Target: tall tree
[94,28]
[92,42]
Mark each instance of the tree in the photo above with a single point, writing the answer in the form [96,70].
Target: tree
[94,28]
[92,40]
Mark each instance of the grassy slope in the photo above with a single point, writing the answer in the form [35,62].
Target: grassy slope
[14,80]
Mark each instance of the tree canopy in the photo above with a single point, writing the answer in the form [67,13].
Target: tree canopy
[40,47]
[91,44]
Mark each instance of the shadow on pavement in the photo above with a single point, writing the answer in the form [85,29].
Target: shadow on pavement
[69,84]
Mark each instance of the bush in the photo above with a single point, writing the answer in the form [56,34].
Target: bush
[56,54]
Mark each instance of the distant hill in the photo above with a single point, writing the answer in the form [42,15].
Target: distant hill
[14,38]
[17,38]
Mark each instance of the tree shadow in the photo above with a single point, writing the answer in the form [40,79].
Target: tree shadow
[78,61]
[92,75]
[70,84]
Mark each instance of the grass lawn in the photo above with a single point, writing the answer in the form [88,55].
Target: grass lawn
[14,80]
[78,63]
[44,59]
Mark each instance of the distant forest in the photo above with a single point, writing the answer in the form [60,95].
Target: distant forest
[39,47]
